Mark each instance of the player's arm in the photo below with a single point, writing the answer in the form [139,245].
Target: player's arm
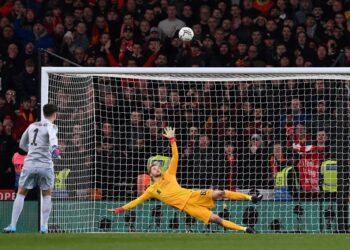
[23,144]
[132,203]
[170,134]
[55,152]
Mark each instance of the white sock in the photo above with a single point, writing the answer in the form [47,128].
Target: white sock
[45,209]
[17,208]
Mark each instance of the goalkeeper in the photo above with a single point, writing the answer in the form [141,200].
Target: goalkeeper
[195,203]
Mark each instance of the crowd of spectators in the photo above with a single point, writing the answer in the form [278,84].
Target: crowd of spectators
[231,135]
[231,33]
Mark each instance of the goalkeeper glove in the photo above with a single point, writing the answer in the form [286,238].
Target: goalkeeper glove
[55,153]
[117,210]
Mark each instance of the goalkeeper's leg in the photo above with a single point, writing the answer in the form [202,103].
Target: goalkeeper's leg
[202,213]
[45,210]
[220,194]
[230,225]
[16,210]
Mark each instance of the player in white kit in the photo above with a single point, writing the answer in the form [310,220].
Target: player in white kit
[41,143]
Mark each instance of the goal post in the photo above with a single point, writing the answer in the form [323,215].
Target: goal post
[282,132]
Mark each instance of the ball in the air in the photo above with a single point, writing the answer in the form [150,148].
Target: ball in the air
[186,34]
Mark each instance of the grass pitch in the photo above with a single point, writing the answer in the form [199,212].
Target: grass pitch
[174,241]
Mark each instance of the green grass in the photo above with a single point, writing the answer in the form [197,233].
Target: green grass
[174,241]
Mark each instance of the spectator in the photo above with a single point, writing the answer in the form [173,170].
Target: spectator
[34,104]
[187,15]
[253,59]
[236,16]
[161,61]
[230,165]
[8,37]
[204,15]
[256,39]
[88,18]
[213,25]
[258,125]
[305,8]
[321,92]
[29,52]
[207,169]
[80,37]
[271,27]
[25,117]
[311,28]
[280,51]
[287,184]
[67,45]
[303,46]
[13,66]
[193,56]
[11,100]
[287,37]
[150,17]
[153,137]
[108,109]
[99,48]
[41,38]
[299,117]
[322,59]
[79,56]
[253,172]
[4,109]
[277,159]
[193,136]
[160,117]
[133,131]
[169,26]
[26,82]
[311,158]
[174,108]
[245,29]
[224,58]
[18,162]
[7,147]
[100,26]
[322,118]
[107,159]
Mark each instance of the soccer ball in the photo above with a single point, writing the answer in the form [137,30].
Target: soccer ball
[186,34]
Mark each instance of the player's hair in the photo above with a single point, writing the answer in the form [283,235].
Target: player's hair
[149,167]
[49,109]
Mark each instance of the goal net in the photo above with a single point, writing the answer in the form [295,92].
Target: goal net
[282,133]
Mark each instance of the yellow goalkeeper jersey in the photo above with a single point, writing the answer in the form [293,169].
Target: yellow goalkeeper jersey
[166,189]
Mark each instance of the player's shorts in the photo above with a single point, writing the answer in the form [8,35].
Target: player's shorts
[198,205]
[37,176]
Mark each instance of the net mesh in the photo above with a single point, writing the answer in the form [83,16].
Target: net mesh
[284,136]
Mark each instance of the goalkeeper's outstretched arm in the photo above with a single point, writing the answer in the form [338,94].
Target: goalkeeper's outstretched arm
[132,203]
[170,134]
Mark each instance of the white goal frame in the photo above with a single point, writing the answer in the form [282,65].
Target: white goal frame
[252,72]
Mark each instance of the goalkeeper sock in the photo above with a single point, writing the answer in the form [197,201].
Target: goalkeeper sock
[237,196]
[17,208]
[231,225]
[46,209]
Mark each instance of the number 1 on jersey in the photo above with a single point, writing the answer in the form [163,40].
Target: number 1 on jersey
[35,135]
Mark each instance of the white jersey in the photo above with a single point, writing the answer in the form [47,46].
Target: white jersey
[38,140]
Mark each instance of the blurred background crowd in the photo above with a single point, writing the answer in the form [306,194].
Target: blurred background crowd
[278,120]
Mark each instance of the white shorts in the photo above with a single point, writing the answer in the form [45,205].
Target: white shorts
[37,176]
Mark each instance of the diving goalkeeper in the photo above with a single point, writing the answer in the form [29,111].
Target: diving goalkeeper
[195,203]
